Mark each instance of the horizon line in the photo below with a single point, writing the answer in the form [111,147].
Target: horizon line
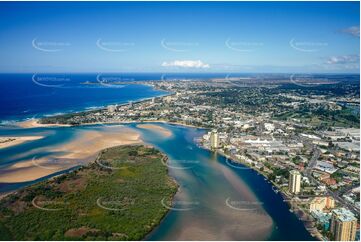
[113,72]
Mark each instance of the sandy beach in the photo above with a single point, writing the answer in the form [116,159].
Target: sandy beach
[163,131]
[34,123]
[81,150]
[12,141]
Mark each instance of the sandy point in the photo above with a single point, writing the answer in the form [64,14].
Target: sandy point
[6,142]
[82,150]
[34,123]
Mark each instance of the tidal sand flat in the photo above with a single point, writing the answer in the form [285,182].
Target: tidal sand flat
[213,202]
[222,210]
[117,197]
[80,150]
[6,142]
[90,142]
[156,128]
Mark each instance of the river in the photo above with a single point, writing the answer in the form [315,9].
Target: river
[217,199]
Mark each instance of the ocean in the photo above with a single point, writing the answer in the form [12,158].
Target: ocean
[214,191]
[26,96]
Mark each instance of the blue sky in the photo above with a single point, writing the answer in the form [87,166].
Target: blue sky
[180,37]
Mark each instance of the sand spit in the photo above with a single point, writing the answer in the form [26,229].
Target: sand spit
[34,123]
[15,140]
[81,150]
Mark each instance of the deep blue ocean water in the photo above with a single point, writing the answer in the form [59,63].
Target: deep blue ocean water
[24,96]
[28,95]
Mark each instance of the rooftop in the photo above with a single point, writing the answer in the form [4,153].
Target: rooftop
[344,214]
[295,172]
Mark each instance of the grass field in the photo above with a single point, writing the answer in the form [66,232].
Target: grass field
[118,197]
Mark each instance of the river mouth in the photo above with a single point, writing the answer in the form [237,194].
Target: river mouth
[215,201]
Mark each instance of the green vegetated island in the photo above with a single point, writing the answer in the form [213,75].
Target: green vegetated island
[117,197]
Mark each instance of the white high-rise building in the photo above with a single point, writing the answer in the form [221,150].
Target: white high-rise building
[294,182]
[214,139]
[343,225]
[112,108]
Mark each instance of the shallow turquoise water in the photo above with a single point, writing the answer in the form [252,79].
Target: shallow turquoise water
[217,198]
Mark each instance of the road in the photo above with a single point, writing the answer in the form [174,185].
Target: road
[313,161]
[337,194]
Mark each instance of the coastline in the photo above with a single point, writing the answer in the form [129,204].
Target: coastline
[10,141]
[79,151]
[26,121]
[35,123]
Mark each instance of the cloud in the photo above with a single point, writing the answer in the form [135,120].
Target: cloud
[353,30]
[186,64]
[344,59]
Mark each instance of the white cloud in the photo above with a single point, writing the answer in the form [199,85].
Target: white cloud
[186,64]
[344,59]
[353,30]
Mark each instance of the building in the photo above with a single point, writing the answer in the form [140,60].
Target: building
[320,203]
[214,138]
[325,167]
[322,218]
[111,108]
[343,225]
[269,127]
[167,99]
[294,182]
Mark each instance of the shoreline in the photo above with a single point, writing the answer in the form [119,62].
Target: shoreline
[35,123]
[95,160]
[10,141]
[18,121]
[80,150]
[285,196]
